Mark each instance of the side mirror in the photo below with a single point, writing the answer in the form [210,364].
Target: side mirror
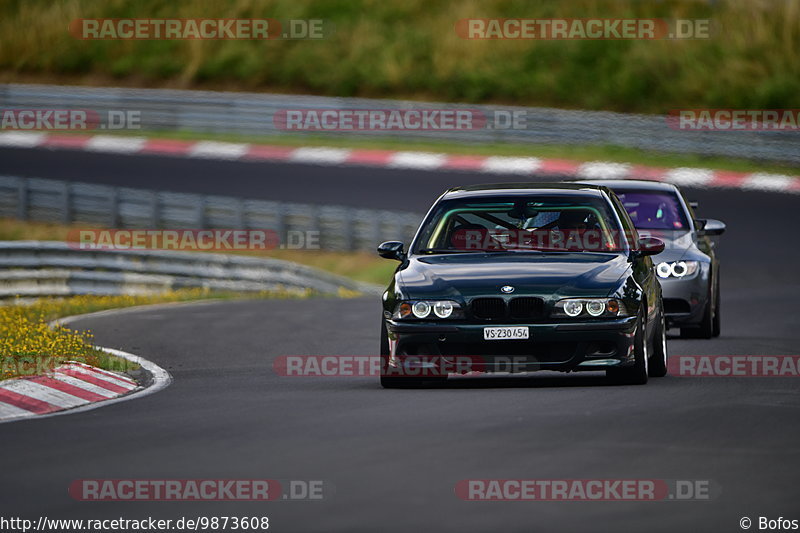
[710,226]
[650,246]
[392,250]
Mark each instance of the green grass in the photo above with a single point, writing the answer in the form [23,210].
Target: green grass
[409,49]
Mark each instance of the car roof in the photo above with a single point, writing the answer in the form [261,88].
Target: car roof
[525,188]
[641,185]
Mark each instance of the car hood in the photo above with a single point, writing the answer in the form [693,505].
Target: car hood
[544,275]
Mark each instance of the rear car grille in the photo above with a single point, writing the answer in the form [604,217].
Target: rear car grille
[489,308]
[520,308]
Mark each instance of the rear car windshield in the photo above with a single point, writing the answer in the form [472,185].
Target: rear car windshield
[654,209]
[559,223]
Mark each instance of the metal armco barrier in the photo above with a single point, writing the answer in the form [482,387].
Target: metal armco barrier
[253,114]
[332,227]
[43,268]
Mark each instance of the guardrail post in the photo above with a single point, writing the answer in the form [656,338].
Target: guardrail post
[113,202]
[155,214]
[376,229]
[66,216]
[348,230]
[22,199]
[200,212]
[316,225]
[241,219]
[280,225]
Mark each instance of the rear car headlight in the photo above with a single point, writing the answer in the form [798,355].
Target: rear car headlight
[677,269]
[430,309]
[589,307]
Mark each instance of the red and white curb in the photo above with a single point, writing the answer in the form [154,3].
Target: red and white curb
[68,386]
[75,387]
[520,166]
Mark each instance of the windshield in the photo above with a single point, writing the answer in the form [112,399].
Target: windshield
[520,224]
[655,210]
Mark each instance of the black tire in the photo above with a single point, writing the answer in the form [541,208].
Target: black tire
[717,327]
[401,382]
[658,359]
[387,382]
[705,330]
[638,373]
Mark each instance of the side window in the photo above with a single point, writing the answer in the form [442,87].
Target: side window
[631,235]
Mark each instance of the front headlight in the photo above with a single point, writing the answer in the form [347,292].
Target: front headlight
[443,309]
[593,307]
[677,269]
[427,309]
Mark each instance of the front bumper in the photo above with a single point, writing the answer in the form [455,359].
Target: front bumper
[459,347]
[685,298]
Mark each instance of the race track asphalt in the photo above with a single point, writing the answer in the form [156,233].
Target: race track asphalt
[390,459]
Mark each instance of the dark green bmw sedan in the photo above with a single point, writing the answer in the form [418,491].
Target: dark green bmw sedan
[521,277]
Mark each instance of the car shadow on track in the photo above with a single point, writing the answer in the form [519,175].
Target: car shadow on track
[516,382]
[528,381]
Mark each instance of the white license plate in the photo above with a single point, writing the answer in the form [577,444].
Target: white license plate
[502,333]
